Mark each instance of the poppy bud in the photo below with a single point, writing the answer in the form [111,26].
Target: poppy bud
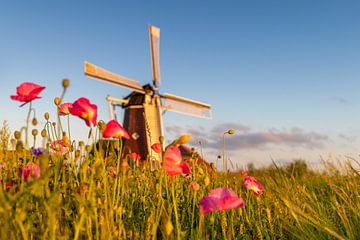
[231,131]
[87,148]
[183,139]
[34,132]
[17,135]
[65,83]
[161,139]
[34,122]
[57,101]
[46,116]
[43,133]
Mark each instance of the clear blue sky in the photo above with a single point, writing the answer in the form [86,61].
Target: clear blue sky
[285,74]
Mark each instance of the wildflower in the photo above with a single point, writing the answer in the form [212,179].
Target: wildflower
[156,147]
[27,91]
[220,199]
[135,157]
[30,170]
[38,151]
[60,147]
[112,171]
[64,109]
[114,130]
[243,173]
[252,184]
[195,186]
[84,110]
[173,163]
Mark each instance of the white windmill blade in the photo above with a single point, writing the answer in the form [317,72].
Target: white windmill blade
[154,33]
[96,72]
[186,106]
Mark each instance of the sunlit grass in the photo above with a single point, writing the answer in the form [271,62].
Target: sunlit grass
[97,192]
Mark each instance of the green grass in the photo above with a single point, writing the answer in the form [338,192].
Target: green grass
[138,203]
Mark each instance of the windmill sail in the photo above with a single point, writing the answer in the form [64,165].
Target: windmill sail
[186,106]
[155,56]
[96,72]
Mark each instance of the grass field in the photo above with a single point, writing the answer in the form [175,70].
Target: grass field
[47,194]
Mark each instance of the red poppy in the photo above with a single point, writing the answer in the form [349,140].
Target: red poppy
[220,199]
[64,109]
[27,92]
[84,110]
[173,163]
[135,157]
[156,147]
[114,130]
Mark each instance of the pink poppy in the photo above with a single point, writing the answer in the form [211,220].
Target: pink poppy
[156,147]
[64,109]
[195,186]
[220,199]
[173,163]
[112,171]
[252,184]
[114,130]
[27,92]
[135,157]
[30,170]
[60,147]
[84,110]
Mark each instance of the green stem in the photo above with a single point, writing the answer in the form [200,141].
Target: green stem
[68,122]
[27,126]
[178,230]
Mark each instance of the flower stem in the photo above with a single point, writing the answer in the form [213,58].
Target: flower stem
[27,126]
[178,230]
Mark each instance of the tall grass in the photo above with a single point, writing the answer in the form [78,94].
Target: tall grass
[89,203]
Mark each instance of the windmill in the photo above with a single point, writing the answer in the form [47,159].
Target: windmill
[144,106]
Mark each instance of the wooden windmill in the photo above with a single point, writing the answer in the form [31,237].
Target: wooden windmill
[144,106]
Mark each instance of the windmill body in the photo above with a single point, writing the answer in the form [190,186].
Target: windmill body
[144,106]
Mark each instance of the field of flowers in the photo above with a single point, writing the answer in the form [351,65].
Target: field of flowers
[71,190]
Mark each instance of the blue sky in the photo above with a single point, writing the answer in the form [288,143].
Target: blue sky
[285,74]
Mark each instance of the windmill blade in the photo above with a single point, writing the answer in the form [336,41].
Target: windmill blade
[96,72]
[155,53]
[186,106]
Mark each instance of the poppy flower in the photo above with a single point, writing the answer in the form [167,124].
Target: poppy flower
[114,130]
[27,92]
[252,184]
[30,170]
[156,147]
[84,110]
[64,109]
[173,163]
[195,186]
[60,147]
[220,199]
[135,157]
